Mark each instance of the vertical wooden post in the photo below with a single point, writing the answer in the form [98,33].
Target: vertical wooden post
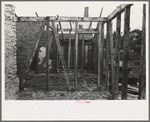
[100,49]
[112,62]
[82,55]
[142,78]
[95,54]
[69,51]
[47,57]
[125,52]
[117,53]
[86,11]
[57,53]
[76,54]
[107,56]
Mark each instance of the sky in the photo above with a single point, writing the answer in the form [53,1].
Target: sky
[76,8]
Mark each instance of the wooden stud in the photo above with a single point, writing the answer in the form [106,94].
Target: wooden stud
[102,52]
[86,12]
[99,21]
[58,60]
[49,41]
[76,55]
[108,52]
[61,55]
[33,54]
[95,54]
[82,55]
[69,51]
[36,14]
[86,54]
[142,78]
[61,31]
[90,25]
[125,52]
[117,53]
[70,26]
[112,62]
[100,49]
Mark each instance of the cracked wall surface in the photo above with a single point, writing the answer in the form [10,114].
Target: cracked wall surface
[27,33]
[11,79]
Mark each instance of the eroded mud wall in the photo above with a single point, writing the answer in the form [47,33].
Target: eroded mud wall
[11,79]
[27,33]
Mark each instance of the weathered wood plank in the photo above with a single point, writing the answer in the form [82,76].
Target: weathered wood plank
[142,79]
[61,55]
[64,19]
[82,55]
[98,22]
[119,9]
[117,53]
[86,12]
[47,56]
[78,19]
[108,52]
[125,52]
[69,51]
[112,62]
[49,42]
[30,19]
[95,54]
[61,30]
[94,31]
[76,55]
[100,50]
[88,32]
[33,53]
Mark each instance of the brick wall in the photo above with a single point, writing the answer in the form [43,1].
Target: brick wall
[11,79]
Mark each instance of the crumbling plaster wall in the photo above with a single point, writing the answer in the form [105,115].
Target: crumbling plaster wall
[27,33]
[11,79]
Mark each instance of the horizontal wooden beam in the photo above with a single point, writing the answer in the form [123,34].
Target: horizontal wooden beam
[88,32]
[73,30]
[84,31]
[64,19]
[78,19]
[119,9]
[30,18]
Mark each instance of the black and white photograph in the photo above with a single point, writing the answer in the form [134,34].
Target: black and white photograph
[71,54]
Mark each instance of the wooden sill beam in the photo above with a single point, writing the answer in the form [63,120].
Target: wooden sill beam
[119,9]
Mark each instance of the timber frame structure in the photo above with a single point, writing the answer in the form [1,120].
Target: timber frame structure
[110,54]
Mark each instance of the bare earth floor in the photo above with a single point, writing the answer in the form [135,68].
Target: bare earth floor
[87,88]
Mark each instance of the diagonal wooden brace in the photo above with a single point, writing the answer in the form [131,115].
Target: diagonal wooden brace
[61,55]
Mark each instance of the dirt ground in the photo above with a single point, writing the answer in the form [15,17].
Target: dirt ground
[86,89]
